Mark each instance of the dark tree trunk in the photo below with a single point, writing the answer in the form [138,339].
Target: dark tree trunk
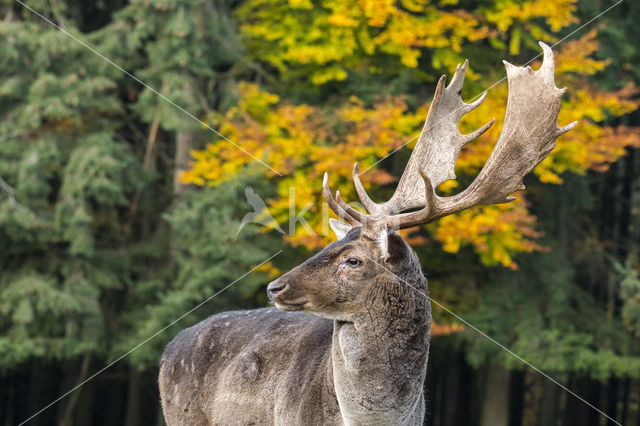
[612,400]
[438,397]
[625,211]
[8,400]
[67,417]
[594,398]
[451,391]
[132,417]
[548,404]
[41,386]
[533,390]
[84,413]
[495,398]
[576,412]
[516,398]
[637,393]
[465,400]
[625,401]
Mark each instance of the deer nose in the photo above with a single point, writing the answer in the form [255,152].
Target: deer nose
[274,288]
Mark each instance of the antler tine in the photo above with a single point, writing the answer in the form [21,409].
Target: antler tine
[333,205]
[473,105]
[372,207]
[360,217]
[477,133]
[455,87]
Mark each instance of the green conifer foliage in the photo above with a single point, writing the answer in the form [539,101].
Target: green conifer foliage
[65,179]
[96,252]
[189,49]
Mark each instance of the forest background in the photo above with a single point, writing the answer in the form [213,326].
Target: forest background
[120,204]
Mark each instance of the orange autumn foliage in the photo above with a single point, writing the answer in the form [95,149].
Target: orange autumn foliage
[445,329]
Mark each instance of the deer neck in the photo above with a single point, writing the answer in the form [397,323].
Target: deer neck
[380,359]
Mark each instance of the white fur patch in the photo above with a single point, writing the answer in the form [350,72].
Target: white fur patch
[382,241]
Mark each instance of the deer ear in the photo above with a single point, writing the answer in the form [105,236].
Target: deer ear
[339,228]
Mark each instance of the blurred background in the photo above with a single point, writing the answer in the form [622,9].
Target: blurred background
[119,212]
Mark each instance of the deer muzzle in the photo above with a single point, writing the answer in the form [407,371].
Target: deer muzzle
[274,288]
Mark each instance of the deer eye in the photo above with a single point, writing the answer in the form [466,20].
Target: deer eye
[352,261]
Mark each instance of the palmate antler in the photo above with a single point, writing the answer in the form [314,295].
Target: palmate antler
[528,135]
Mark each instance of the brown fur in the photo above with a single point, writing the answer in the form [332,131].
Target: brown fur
[356,354]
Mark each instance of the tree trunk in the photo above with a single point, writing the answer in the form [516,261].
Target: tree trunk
[132,417]
[575,411]
[83,414]
[516,398]
[465,394]
[436,398]
[185,143]
[548,404]
[612,400]
[9,403]
[594,397]
[625,401]
[451,391]
[441,414]
[495,399]
[637,389]
[67,418]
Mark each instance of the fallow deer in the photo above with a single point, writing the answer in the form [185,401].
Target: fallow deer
[349,340]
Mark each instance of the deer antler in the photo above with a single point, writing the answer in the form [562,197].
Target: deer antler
[528,135]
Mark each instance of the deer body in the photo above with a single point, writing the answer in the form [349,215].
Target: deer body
[269,366]
[244,374]
[356,353]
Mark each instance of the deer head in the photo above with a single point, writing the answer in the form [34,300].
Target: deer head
[337,282]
